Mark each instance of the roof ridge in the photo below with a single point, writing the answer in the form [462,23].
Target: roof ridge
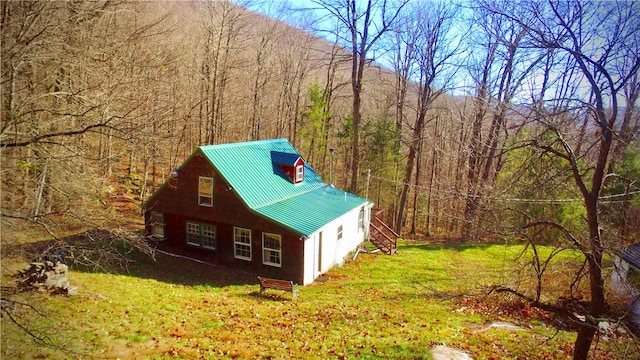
[243,143]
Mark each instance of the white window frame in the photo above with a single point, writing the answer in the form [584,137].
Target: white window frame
[242,241]
[339,234]
[361,220]
[201,235]
[299,173]
[193,233]
[208,236]
[204,193]
[269,252]
[156,220]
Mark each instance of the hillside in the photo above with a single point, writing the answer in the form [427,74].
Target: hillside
[157,80]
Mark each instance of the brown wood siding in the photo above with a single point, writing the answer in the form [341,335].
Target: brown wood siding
[178,201]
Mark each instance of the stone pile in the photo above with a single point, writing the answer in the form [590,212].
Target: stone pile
[47,276]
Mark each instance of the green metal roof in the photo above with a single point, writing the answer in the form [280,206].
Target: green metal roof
[308,212]
[250,168]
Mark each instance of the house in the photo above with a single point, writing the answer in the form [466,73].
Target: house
[626,262]
[258,207]
[631,254]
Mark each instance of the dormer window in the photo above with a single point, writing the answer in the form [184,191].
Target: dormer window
[291,164]
[299,173]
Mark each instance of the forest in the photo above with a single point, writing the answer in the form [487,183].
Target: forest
[475,122]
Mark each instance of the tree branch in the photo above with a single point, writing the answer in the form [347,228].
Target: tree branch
[564,230]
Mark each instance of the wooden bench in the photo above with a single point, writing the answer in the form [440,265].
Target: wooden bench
[284,285]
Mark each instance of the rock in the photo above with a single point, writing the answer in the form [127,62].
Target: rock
[506,325]
[443,352]
[46,276]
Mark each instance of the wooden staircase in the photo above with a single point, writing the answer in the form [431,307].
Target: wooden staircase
[382,236]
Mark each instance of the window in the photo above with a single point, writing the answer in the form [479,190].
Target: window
[361,219]
[299,173]
[208,236]
[193,234]
[242,243]
[271,249]
[201,235]
[339,232]
[156,220]
[205,191]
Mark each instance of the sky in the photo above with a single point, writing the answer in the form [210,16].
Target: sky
[302,13]
[305,14]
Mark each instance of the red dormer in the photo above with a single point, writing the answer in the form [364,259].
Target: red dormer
[291,164]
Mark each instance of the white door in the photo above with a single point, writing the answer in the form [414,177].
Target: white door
[319,254]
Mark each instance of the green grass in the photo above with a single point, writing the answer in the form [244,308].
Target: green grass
[378,306]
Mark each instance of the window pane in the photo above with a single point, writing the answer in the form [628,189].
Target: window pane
[243,236]
[272,244]
[242,243]
[271,249]
[205,191]
[205,200]
[157,224]
[271,256]
[193,234]
[209,236]
[206,186]
[156,218]
[243,251]
[299,173]
[157,230]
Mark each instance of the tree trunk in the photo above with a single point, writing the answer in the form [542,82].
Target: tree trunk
[472,201]
[356,86]
[416,190]
[583,342]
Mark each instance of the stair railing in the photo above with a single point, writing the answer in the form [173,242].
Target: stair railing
[383,233]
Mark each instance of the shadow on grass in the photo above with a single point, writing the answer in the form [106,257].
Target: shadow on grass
[269,296]
[444,245]
[187,267]
[100,251]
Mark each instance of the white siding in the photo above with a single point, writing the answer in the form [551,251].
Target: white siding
[310,250]
[333,251]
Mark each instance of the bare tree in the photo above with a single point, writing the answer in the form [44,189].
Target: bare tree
[294,66]
[68,93]
[432,54]
[497,74]
[594,47]
[223,24]
[334,84]
[364,27]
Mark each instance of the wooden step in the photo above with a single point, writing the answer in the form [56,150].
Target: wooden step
[383,237]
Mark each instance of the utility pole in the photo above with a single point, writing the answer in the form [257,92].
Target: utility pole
[331,150]
[366,191]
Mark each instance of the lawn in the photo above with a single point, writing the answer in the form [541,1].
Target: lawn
[376,306]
